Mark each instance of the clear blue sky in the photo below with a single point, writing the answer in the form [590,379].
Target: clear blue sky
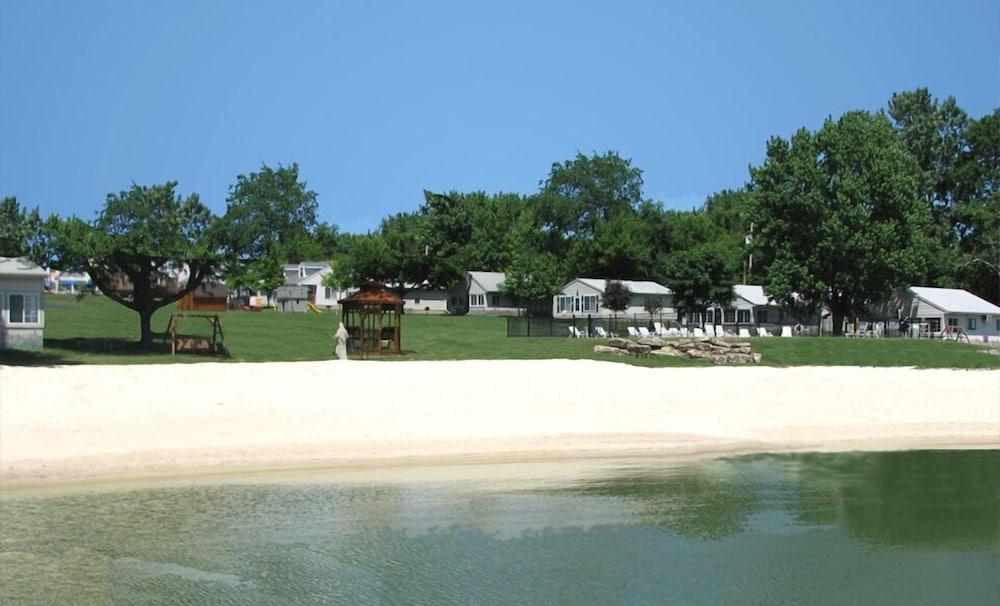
[378,101]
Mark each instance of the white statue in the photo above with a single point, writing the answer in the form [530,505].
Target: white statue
[340,350]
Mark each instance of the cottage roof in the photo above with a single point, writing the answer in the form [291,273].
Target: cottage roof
[19,266]
[752,293]
[636,287]
[490,281]
[954,300]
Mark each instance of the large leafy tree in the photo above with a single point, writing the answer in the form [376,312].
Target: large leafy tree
[140,236]
[839,214]
[978,213]
[270,216]
[21,233]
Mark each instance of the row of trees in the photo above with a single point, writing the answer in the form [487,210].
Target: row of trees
[839,216]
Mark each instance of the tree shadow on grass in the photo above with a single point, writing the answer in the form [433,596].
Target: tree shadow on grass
[18,357]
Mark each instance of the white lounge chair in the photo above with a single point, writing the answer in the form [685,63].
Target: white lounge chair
[643,331]
[600,332]
[673,332]
[659,330]
[744,333]
[683,331]
[721,332]
[632,332]
[762,332]
[698,333]
[709,330]
[786,331]
[574,332]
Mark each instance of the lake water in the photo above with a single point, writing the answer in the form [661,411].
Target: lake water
[890,528]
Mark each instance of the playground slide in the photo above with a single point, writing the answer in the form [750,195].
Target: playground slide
[311,307]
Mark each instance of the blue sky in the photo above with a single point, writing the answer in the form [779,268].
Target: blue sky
[378,101]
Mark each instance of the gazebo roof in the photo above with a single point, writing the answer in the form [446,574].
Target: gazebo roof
[373,292]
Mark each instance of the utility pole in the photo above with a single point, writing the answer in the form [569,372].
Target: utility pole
[748,267]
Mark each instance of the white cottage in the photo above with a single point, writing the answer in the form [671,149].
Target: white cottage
[584,297]
[750,306]
[931,311]
[22,318]
[479,293]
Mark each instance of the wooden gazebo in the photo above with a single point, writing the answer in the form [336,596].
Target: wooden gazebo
[371,317]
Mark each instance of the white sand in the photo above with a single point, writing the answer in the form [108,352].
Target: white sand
[82,422]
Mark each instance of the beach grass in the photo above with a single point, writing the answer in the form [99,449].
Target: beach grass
[95,330]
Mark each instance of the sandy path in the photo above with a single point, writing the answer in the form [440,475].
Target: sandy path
[89,421]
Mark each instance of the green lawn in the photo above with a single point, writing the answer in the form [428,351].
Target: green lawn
[95,330]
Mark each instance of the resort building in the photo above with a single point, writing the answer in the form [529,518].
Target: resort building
[22,318]
[479,293]
[67,283]
[935,312]
[585,297]
[422,298]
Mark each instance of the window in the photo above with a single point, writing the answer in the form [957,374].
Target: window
[762,316]
[327,292]
[477,300]
[970,323]
[416,300]
[22,308]
[743,316]
[564,304]
[998,324]
[730,315]
[934,324]
[495,300]
[589,303]
[953,322]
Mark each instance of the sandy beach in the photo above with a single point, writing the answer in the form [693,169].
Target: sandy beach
[83,422]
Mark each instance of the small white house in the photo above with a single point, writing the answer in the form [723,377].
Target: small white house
[324,297]
[932,310]
[479,293]
[584,297]
[424,299]
[750,306]
[22,318]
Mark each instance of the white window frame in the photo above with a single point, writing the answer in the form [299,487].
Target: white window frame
[564,304]
[327,292]
[477,300]
[970,324]
[6,295]
[742,316]
[589,304]
[953,322]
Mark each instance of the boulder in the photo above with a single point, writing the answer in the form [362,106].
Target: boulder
[639,350]
[668,351]
[618,342]
[653,342]
[608,349]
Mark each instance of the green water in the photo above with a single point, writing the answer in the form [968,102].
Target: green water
[886,528]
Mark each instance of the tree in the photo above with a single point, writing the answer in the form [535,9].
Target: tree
[366,259]
[407,255]
[269,219]
[21,233]
[138,237]
[701,276]
[839,214]
[978,214]
[616,296]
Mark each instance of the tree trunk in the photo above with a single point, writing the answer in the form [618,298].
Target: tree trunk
[146,330]
[838,316]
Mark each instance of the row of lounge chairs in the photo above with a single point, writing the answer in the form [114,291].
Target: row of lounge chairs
[697,332]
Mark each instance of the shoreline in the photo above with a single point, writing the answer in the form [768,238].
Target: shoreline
[67,425]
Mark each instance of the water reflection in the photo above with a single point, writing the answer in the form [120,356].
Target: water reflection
[911,527]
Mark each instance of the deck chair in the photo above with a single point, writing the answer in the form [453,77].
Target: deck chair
[632,332]
[573,332]
[709,330]
[762,332]
[659,330]
[600,332]
[744,333]
[643,332]
[786,331]
[721,332]
[698,333]
[683,331]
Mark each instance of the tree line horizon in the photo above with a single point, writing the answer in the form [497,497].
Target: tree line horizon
[839,216]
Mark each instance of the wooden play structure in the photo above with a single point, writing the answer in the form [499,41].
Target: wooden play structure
[180,342]
[207,297]
[372,317]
